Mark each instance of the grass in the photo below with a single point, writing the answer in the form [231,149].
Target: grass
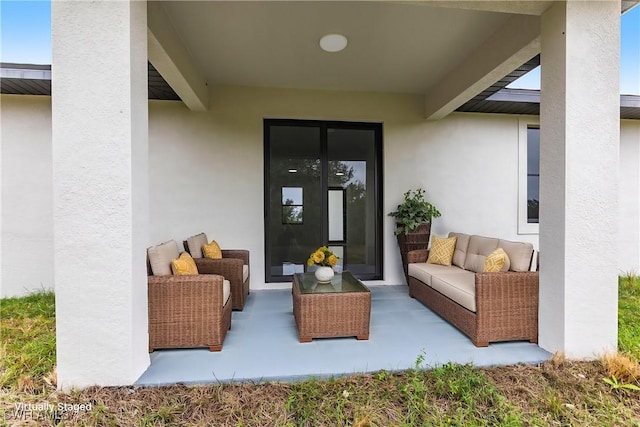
[629,315]
[28,346]
[558,392]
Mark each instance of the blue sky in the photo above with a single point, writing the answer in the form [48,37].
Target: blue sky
[629,58]
[26,38]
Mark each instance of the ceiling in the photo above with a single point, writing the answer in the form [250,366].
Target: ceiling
[393,47]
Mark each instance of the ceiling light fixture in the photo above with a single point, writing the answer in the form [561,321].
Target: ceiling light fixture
[339,173]
[293,170]
[333,42]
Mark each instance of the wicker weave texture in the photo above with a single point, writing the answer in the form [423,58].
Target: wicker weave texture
[331,314]
[418,255]
[187,311]
[506,307]
[416,240]
[451,311]
[230,267]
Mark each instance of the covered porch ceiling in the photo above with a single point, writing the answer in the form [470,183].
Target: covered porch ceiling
[447,51]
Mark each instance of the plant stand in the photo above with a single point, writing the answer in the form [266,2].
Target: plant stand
[418,239]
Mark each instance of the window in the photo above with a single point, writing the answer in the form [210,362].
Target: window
[292,205]
[529,176]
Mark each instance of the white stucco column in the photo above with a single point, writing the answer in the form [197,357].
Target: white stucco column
[580,125]
[100,184]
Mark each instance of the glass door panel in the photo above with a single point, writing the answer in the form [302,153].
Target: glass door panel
[295,187]
[352,169]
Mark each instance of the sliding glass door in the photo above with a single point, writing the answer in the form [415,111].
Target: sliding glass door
[323,186]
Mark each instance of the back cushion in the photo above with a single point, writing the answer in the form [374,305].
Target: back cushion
[460,253]
[519,254]
[160,257]
[478,250]
[195,244]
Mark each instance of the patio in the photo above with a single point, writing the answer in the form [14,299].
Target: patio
[146,167]
[263,345]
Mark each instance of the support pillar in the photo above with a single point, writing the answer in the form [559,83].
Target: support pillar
[579,159]
[100,185]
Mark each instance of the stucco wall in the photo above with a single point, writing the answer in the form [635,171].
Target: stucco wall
[629,205]
[206,173]
[26,261]
[207,168]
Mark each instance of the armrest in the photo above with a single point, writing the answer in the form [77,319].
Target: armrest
[417,255]
[230,268]
[204,290]
[242,254]
[510,287]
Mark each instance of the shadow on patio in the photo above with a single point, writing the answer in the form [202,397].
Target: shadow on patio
[263,345]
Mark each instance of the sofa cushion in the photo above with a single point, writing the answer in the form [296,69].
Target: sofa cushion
[195,244]
[441,251]
[462,244]
[183,265]
[519,253]
[245,272]
[226,291]
[497,261]
[479,248]
[160,257]
[212,250]
[458,286]
[423,271]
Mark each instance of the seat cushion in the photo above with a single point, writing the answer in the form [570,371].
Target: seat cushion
[479,249]
[460,253]
[195,244]
[457,286]
[245,272]
[183,265]
[226,291]
[423,271]
[520,254]
[441,251]
[160,257]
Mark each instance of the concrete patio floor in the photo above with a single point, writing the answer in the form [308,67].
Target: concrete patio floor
[263,345]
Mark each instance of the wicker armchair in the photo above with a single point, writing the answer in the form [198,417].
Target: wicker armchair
[187,311]
[234,266]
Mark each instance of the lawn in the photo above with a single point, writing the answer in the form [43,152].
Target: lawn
[558,392]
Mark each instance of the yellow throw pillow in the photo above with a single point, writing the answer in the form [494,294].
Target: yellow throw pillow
[442,250]
[183,265]
[212,250]
[496,261]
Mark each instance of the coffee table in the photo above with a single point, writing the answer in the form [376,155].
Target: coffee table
[339,309]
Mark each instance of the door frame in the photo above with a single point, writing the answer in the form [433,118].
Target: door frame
[324,125]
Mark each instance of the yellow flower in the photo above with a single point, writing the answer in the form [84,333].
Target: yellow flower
[310,262]
[318,256]
[333,260]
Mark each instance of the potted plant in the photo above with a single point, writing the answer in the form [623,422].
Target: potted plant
[325,259]
[413,223]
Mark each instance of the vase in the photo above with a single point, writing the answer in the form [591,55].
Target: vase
[324,274]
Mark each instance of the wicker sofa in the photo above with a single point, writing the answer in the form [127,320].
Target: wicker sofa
[487,307]
[185,311]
